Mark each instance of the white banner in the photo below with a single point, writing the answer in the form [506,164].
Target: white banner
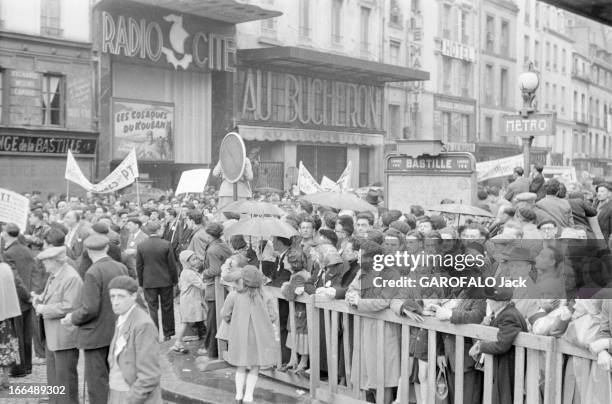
[344,182]
[498,168]
[14,208]
[306,182]
[327,183]
[122,176]
[192,181]
[567,173]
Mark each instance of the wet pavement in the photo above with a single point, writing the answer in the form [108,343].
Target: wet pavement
[191,385]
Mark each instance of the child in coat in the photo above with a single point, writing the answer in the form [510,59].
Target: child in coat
[191,286]
[295,261]
[252,339]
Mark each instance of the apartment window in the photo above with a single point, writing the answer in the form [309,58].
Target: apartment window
[464,26]
[337,21]
[553,97]
[546,96]
[488,129]
[547,56]
[503,87]
[305,18]
[505,38]
[490,36]
[365,29]
[415,7]
[562,99]
[563,60]
[527,12]
[583,108]
[394,129]
[597,123]
[50,18]
[536,53]
[527,47]
[395,13]
[489,84]
[52,99]
[466,79]
[537,14]
[446,127]
[394,52]
[447,73]
[576,106]
[446,22]
[555,57]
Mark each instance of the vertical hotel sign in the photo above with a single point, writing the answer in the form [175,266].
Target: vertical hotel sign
[168,39]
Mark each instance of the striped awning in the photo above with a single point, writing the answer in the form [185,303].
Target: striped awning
[276,134]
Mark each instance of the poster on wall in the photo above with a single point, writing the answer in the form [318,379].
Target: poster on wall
[147,127]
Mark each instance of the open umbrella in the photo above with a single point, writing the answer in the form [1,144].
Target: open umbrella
[261,227]
[460,209]
[340,200]
[253,208]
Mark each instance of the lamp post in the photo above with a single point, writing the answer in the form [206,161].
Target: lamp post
[529,82]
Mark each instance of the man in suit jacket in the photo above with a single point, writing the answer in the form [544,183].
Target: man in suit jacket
[558,209]
[61,295]
[136,236]
[95,317]
[78,230]
[156,269]
[519,185]
[133,358]
[604,208]
[19,257]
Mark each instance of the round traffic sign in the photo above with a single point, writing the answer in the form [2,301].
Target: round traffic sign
[232,156]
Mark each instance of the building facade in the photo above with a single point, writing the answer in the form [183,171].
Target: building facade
[47,97]
[310,88]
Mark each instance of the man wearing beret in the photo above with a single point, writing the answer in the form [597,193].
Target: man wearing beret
[19,257]
[157,275]
[95,317]
[133,358]
[61,295]
[217,251]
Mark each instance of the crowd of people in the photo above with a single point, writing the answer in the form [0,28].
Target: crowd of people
[84,274]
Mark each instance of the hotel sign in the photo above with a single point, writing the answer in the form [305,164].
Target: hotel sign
[266,96]
[172,39]
[458,50]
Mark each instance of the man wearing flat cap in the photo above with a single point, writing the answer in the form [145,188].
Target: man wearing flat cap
[157,275]
[133,358]
[61,295]
[510,322]
[95,317]
[113,250]
[217,251]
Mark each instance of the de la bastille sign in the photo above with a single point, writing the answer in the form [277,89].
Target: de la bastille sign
[168,39]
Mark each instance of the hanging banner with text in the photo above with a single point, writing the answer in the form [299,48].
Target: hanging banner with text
[122,176]
[498,168]
[146,127]
[14,208]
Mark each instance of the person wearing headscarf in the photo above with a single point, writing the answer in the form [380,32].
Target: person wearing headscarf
[9,309]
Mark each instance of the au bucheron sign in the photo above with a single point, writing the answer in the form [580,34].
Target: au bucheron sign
[16,144]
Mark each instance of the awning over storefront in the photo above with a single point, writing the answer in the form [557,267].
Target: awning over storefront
[309,136]
[230,11]
[597,10]
[329,64]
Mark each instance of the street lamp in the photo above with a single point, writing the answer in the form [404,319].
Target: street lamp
[529,82]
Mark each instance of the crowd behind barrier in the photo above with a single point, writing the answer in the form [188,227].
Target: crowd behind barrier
[89,266]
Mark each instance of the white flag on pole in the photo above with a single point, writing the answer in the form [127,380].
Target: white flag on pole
[344,182]
[73,173]
[328,184]
[306,182]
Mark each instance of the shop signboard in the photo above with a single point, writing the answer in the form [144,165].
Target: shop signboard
[145,126]
[18,144]
[427,180]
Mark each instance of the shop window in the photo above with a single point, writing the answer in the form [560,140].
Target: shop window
[364,167]
[323,160]
[446,127]
[465,128]
[52,99]
[488,129]
[50,12]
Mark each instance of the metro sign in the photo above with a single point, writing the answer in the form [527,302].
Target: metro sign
[534,125]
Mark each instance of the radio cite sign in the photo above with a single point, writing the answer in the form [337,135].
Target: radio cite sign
[167,40]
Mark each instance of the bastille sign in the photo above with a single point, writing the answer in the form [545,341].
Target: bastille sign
[534,125]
